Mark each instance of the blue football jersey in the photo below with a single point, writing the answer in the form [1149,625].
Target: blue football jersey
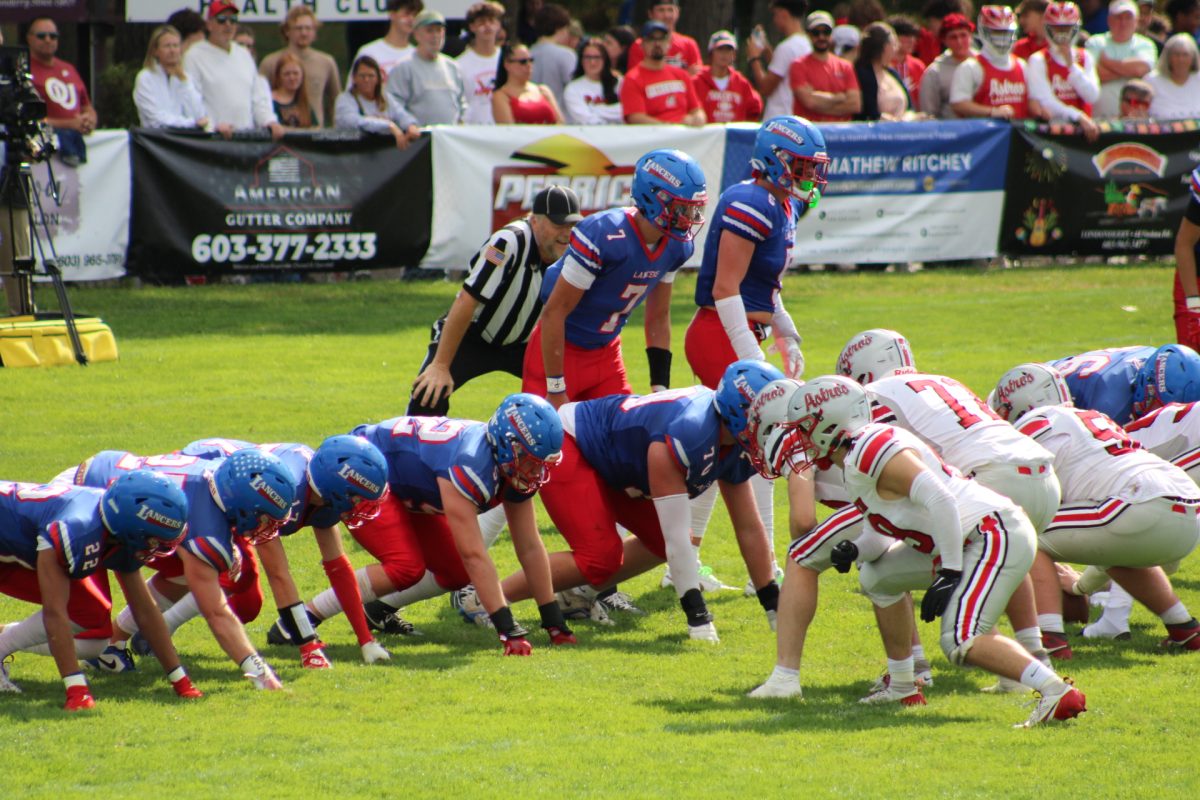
[614,434]
[1102,380]
[296,458]
[61,518]
[609,259]
[209,533]
[419,450]
[751,212]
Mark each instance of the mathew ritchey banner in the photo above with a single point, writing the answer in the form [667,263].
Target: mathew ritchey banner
[332,201]
[1123,194]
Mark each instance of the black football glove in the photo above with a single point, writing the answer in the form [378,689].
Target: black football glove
[844,554]
[937,596]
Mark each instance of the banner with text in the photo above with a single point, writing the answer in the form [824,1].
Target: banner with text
[28,10]
[1122,194]
[276,10]
[326,201]
[488,176]
[930,191]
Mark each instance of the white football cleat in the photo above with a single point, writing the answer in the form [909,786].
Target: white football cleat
[905,697]
[923,672]
[1059,706]
[373,652]
[704,633]
[6,685]
[772,619]
[466,602]
[580,603]
[709,582]
[775,687]
[750,591]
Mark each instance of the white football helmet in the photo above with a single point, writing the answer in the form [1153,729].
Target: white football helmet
[1027,387]
[875,354]
[768,429]
[821,414]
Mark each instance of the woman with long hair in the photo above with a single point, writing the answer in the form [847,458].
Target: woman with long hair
[617,42]
[164,97]
[883,94]
[364,106]
[517,99]
[594,96]
[288,95]
[1176,80]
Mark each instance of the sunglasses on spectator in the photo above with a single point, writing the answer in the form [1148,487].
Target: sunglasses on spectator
[1136,102]
[226,19]
[521,60]
[46,35]
[821,32]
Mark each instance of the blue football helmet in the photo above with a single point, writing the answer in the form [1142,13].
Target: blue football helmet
[1170,375]
[256,492]
[739,386]
[145,512]
[789,152]
[526,436]
[350,474]
[670,191]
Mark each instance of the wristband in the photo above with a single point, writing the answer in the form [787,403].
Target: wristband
[1193,303]
[659,359]
[502,619]
[556,384]
[256,666]
[75,679]
[176,674]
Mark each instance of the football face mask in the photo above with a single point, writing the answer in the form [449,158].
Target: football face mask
[682,219]
[525,472]
[364,509]
[267,529]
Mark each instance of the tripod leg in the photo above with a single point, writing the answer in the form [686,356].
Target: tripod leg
[16,259]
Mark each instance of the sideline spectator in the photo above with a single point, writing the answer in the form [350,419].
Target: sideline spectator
[654,91]
[910,68]
[930,40]
[68,108]
[725,94]
[525,15]
[1176,81]
[163,95]
[824,85]
[1145,17]
[321,81]
[1062,78]
[489,323]
[1095,16]
[554,62]
[288,97]
[244,35]
[517,99]
[884,97]
[992,84]
[1157,30]
[1120,54]
[935,83]
[478,62]
[224,73]
[846,39]
[617,42]
[1136,99]
[396,45]
[1031,18]
[364,106]
[683,51]
[429,85]
[769,68]
[1184,16]
[190,25]
[594,97]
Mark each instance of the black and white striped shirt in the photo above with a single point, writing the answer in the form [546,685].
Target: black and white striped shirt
[506,277]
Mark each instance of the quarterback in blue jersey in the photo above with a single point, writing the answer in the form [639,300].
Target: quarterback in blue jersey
[245,498]
[441,474]
[635,461]
[616,260]
[55,538]
[1125,383]
[1187,254]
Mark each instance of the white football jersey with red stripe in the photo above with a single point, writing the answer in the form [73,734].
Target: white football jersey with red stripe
[1169,432]
[872,448]
[951,419]
[1095,458]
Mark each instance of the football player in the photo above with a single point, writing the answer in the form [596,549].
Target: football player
[243,499]
[635,461]
[978,544]
[442,473]
[738,288]
[1126,512]
[1187,255]
[54,538]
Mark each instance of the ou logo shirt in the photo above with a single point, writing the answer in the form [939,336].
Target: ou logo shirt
[62,94]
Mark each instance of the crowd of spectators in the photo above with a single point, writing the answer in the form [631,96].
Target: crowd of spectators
[1045,60]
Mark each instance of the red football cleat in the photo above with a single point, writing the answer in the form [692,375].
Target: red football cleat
[1183,637]
[1057,646]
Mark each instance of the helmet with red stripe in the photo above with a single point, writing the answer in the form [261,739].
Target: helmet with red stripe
[1027,387]
[256,491]
[874,354]
[740,384]
[789,152]
[670,190]
[997,29]
[818,417]
[1170,375]
[526,436]
[350,474]
[1062,22]
[146,512]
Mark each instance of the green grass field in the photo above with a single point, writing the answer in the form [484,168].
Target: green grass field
[635,710]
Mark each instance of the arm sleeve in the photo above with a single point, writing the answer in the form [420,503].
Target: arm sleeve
[675,519]
[783,322]
[932,495]
[1084,79]
[732,312]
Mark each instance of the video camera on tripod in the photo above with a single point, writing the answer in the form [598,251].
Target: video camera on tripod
[22,109]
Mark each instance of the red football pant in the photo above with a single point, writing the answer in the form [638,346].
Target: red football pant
[244,595]
[406,544]
[586,511]
[707,346]
[1187,323]
[589,373]
[87,605]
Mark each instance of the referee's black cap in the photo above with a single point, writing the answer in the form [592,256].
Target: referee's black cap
[559,203]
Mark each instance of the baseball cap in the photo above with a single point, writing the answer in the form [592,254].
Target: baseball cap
[1122,7]
[428,17]
[654,26]
[721,39]
[953,22]
[559,203]
[819,18]
[845,37]
[221,7]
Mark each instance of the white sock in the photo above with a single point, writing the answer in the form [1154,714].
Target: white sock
[784,675]
[764,498]
[1029,638]
[702,509]
[919,652]
[423,589]
[22,635]
[1041,678]
[491,525]
[901,672]
[181,612]
[126,623]
[1176,614]
[162,600]
[1051,623]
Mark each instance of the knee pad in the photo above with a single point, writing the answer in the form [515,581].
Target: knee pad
[875,585]
[956,653]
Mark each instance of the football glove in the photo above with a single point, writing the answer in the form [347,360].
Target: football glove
[937,596]
[373,652]
[844,554]
[259,673]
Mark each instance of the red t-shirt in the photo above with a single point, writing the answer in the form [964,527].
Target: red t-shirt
[911,69]
[928,46]
[682,52]
[1027,46]
[665,94]
[737,102]
[1004,87]
[61,87]
[831,75]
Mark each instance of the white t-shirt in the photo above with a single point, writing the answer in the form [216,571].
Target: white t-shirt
[1138,46]
[479,77]
[229,83]
[791,48]
[1172,101]
[385,55]
[584,101]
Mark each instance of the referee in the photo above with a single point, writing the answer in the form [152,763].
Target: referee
[494,313]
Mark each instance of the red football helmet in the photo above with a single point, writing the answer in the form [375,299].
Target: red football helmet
[1062,22]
